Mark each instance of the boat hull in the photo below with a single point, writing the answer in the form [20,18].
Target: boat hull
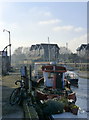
[43,96]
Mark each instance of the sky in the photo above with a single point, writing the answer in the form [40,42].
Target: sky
[33,22]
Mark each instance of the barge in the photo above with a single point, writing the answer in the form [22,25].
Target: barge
[52,92]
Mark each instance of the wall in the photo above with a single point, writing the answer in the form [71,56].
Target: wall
[5,65]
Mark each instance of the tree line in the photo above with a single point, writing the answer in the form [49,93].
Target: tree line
[65,55]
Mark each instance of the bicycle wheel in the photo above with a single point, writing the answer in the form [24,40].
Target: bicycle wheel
[15,96]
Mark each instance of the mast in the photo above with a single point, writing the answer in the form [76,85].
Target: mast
[49,48]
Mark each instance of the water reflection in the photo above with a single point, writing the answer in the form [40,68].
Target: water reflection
[81,94]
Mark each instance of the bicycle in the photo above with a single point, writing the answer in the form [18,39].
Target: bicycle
[18,94]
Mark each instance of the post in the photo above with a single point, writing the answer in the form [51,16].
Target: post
[10,47]
[24,76]
[30,72]
[49,48]
[30,75]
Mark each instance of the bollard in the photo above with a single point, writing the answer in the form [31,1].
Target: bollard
[24,76]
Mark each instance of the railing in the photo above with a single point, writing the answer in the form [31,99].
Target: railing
[80,66]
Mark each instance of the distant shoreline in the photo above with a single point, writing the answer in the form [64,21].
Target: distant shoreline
[84,74]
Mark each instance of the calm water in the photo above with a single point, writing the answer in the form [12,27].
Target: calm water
[81,93]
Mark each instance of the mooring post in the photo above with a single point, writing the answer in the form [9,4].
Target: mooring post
[24,76]
[30,75]
[30,72]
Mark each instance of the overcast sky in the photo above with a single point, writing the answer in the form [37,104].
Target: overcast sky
[33,22]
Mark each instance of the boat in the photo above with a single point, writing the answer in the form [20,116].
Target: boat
[72,77]
[52,93]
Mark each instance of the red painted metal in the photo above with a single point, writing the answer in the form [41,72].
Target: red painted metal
[54,82]
[51,68]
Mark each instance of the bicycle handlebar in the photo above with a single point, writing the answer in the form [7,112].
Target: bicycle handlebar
[20,81]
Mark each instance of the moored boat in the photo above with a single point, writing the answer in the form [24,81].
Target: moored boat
[53,91]
[72,77]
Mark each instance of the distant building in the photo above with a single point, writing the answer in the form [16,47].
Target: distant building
[83,50]
[46,52]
